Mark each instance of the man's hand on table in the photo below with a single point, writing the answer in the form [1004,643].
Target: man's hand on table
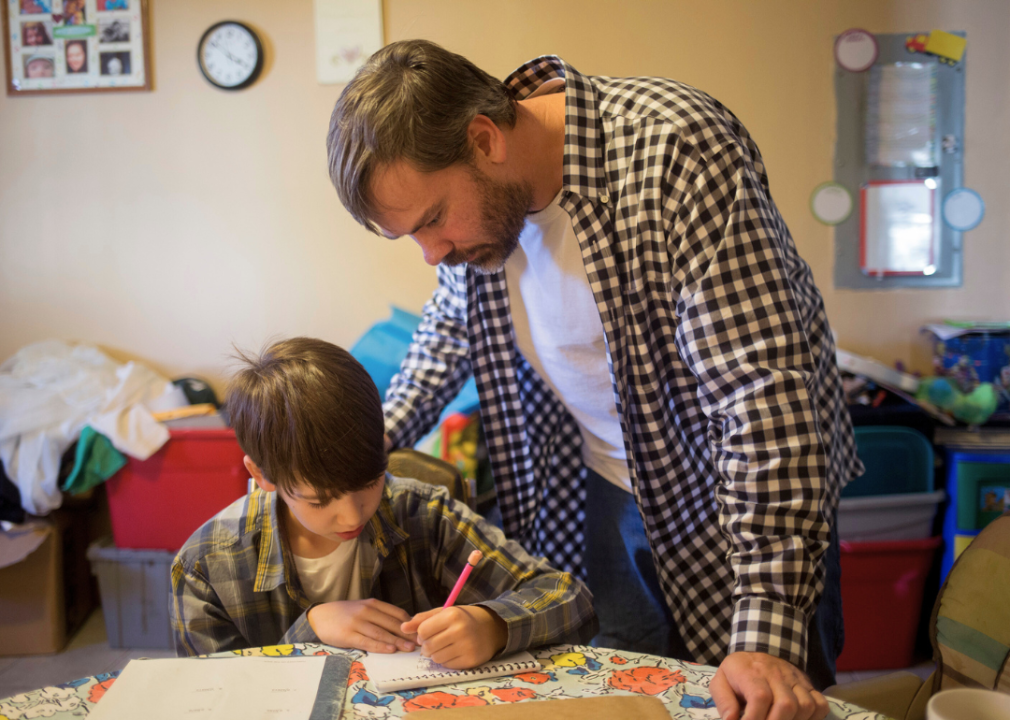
[756,686]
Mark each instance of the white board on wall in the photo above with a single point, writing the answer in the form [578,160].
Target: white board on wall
[347,33]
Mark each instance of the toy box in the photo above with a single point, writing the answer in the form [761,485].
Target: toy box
[156,504]
[882,590]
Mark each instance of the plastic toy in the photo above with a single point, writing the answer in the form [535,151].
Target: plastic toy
[973,408]
[949,48]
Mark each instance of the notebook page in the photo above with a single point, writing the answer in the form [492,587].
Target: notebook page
[403,670]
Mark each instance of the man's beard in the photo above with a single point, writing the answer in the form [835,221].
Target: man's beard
[504,206]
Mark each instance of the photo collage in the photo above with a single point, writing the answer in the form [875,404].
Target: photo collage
[75,45]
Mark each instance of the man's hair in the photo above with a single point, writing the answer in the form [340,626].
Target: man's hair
[412,100]
[306,412]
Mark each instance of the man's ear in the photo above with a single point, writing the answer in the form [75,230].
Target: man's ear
[488,140]
[254,470]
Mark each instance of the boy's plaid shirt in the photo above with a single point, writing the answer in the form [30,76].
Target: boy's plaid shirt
[721,357]
[234,583]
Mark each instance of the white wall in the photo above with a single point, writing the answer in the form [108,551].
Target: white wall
[168,225]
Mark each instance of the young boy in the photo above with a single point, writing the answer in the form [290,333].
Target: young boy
[331,548]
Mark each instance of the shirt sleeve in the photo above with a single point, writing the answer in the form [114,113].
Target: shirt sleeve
[742,334]
[200,623]
[437,363]
[539,604]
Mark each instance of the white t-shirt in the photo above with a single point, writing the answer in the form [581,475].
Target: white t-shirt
[559,332]
[336,576]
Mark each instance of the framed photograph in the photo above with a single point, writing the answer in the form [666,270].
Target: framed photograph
[75,46]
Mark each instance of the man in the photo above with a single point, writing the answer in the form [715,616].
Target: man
[647,344]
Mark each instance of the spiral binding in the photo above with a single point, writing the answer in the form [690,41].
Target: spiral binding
[510,668]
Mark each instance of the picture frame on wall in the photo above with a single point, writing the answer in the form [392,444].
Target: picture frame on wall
[76,46]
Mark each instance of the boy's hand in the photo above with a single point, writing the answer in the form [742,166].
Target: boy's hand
[458,637]
[370,625]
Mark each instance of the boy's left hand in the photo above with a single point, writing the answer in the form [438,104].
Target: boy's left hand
[458,637]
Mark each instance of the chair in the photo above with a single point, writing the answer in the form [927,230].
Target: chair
[409,463]
[969,629]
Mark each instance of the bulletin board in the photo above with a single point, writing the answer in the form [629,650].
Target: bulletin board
[923,166]
[76,46]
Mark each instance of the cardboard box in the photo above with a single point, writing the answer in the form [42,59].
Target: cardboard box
[46,588]
[32,618]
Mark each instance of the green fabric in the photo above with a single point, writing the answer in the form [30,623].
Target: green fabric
[95,462]
[969,641]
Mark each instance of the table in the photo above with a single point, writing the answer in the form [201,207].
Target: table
[568,671]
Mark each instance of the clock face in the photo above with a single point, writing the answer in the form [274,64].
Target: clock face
[230,55]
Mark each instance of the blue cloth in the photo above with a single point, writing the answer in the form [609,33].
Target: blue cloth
[631,606]
[382,349]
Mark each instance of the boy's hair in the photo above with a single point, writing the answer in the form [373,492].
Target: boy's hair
[305,411]
[412,100]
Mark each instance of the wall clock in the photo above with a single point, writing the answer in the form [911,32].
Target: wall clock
[230,55]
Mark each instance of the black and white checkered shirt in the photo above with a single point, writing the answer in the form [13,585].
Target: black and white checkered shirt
[722,362]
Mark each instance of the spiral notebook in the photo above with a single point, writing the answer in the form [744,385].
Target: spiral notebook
[405,671]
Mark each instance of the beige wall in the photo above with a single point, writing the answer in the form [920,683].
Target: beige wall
[169,225]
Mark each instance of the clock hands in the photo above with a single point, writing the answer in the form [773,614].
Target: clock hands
[214,44]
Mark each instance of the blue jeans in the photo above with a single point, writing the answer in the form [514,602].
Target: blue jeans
[630,604]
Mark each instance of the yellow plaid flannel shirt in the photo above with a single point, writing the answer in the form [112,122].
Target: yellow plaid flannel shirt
[235,585]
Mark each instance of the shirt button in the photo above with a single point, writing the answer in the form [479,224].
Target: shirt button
[604,198]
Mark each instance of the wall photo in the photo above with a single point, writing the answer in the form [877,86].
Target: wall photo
[73,46]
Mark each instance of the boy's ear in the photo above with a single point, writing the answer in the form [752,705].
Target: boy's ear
[254,470]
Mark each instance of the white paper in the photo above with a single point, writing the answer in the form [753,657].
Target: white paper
[347,33]
[239,688]
[901,115]
[405,670]
[899,227]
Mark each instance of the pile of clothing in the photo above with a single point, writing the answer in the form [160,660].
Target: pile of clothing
[53,395]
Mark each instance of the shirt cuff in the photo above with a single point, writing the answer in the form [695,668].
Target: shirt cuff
[518,621]
[300,632]
[766,626]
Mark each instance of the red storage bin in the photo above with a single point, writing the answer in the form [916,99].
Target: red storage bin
[156,504]
[882,584]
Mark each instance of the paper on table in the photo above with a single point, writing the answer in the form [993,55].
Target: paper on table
[408,670]
[240,688]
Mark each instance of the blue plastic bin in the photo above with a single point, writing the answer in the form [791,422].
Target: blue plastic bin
[978,484]
[894,500]
[897,459]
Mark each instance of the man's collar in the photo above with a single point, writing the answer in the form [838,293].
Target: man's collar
[583,164]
